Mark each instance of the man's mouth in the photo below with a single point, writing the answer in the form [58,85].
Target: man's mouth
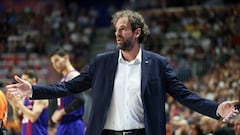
[118,39]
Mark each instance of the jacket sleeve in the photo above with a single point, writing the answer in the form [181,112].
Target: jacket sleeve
[50,91]
[78,84]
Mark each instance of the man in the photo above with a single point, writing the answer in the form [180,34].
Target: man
[129,86]
[35,112]
[3,113]
[208,125]
[69,115]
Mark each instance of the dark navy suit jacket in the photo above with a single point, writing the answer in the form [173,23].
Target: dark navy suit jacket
[157,79]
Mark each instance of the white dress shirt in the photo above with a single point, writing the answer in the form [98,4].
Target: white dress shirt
[126,108]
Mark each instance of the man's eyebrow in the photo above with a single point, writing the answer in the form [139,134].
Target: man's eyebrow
[122,26]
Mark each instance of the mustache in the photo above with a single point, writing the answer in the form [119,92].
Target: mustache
[119,37]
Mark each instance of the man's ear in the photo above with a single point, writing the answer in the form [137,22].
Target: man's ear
[34,81]
[138,32]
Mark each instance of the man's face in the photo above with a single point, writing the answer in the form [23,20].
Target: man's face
[124,35]
[26,78]
[58,63]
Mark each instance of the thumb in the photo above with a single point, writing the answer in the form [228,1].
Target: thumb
[234,102]
[18,79]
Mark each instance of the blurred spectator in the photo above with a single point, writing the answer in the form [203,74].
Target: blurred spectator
[3,113]
[237,126]
[208,125]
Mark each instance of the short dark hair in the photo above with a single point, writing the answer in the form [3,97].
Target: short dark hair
[59,51]
[31,74]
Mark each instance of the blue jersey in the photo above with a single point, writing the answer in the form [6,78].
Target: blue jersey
[72,116]
[39,127]
[71,123]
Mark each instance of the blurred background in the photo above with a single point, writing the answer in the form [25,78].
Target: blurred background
[201,39]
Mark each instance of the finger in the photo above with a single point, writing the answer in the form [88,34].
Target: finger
[11,86]
[231,115]
[12,89]
[234,102]
[235,111]
[13,92]
[226,119]
[18,79]
[9,94]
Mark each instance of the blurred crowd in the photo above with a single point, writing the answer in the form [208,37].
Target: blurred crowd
[201,43]
[28,36]
[203,46]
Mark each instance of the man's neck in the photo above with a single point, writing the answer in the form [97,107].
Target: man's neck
[68,69]
[130,55]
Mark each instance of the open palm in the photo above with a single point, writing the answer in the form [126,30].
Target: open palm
[227,111]
[21,89]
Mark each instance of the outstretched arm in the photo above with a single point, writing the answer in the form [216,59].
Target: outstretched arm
[24,89]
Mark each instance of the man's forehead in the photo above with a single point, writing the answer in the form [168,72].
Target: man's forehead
[56,56]
[123,21]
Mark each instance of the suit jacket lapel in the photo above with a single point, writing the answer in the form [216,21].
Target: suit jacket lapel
[112,64]
[146,61]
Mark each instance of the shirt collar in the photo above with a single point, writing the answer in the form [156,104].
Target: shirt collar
[137,60]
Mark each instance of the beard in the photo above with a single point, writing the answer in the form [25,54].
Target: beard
[125,46]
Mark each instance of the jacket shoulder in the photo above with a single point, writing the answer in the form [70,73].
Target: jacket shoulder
[154,55]
[106,55]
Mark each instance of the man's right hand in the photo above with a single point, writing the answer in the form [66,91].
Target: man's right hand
[21,89]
